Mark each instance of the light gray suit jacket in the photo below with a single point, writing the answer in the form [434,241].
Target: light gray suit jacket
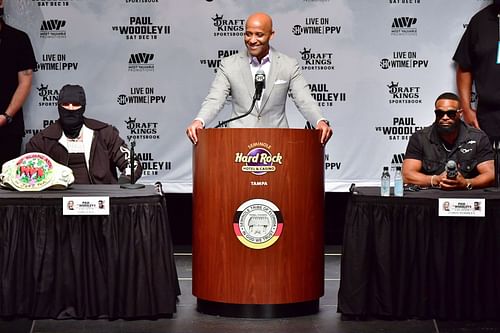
[234,78]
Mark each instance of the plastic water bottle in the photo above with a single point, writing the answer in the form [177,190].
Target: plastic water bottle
[385,183]
[398,182]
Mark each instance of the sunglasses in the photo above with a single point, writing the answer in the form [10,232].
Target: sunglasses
[449,113]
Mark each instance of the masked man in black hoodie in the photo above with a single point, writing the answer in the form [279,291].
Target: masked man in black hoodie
[92,149]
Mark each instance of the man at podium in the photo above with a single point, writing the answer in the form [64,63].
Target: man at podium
[258,80]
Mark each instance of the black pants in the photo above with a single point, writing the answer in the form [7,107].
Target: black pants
[10,147]
[489,121]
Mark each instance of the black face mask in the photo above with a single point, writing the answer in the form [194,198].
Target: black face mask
[71,121]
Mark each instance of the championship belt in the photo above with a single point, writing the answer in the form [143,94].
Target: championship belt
[35,172]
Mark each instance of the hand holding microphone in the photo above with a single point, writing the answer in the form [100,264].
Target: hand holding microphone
[452,179]
[451,169]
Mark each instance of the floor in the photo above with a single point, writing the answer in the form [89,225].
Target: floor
[187,319]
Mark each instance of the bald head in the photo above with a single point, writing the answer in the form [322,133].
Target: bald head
[258,33]
[260,19]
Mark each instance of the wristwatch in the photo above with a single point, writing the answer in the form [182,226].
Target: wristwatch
[468,186]
[7,117]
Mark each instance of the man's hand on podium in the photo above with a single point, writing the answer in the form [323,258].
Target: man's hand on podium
[326,131]
[193,129]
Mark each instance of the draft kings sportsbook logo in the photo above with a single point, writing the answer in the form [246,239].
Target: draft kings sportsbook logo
[259,160]
[258,223]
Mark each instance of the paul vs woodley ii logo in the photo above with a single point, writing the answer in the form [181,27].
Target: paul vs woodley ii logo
[141,27]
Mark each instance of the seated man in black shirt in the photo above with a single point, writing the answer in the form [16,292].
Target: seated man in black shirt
[449,139]
[92,149]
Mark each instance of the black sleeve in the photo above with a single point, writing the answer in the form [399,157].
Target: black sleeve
[120,154]
[484,150]
[464,52]
[414,150]
[25,55]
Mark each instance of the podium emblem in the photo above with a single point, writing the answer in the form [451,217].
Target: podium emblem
[258,160]
[258,223]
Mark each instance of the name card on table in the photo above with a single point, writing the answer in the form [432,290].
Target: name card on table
[85,205]
[462,207]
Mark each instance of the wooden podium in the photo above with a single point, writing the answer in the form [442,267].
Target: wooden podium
[258,211]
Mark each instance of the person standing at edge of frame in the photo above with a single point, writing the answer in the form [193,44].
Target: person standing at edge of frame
[17,63]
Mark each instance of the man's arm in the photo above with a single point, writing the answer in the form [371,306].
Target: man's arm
[413,175]
[464,86]
[486,175]
[213,103]
[485,178]
[306,104]
[23,89]
[121,157]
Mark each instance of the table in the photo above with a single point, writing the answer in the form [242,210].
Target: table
[116,266]
[400,260]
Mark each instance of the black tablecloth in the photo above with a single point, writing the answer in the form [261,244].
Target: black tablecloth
[116,266]
[400,260]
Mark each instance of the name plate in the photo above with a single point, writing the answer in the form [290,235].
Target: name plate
[85,205]
[462,207]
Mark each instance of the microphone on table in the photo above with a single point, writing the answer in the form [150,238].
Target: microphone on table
[260,84]
[451,169]
[132,185]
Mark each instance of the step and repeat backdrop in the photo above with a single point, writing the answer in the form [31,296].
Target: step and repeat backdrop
[375,68]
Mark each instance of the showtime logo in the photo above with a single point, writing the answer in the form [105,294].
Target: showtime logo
[316,26]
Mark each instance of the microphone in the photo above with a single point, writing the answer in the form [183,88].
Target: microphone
[260,83]
[132,185]
[451,169]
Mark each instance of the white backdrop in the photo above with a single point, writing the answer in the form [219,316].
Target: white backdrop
[375,67]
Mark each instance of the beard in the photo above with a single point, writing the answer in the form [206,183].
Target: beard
[447,129]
